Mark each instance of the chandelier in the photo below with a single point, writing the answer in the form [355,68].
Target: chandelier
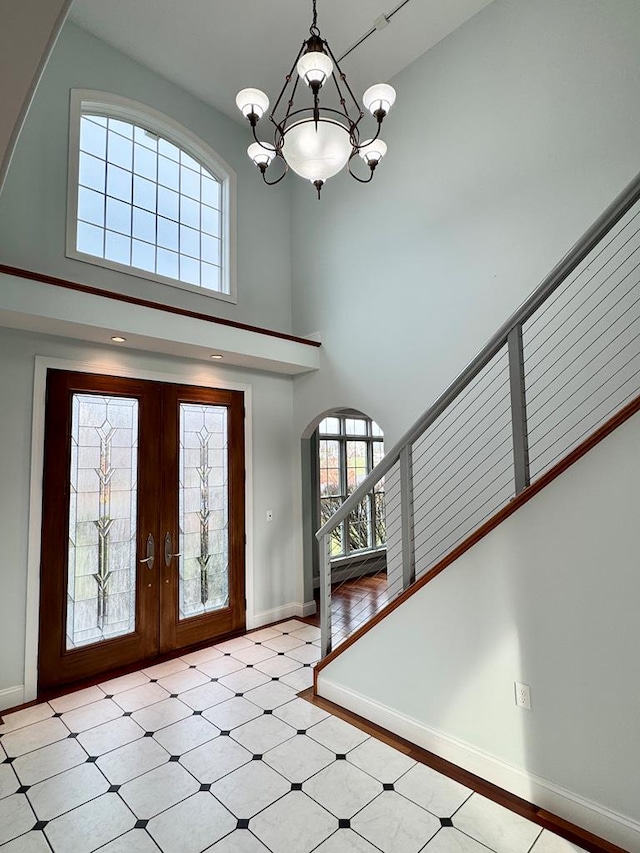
[316,141]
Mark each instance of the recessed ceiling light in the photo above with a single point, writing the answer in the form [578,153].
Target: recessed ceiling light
[217,356]
[118,339]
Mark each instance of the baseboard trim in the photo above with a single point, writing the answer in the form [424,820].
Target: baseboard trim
[610,825]
[287,611]
[11,696]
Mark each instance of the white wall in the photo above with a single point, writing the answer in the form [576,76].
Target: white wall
[275,575]
[506,141]
[549,598]
[33,202]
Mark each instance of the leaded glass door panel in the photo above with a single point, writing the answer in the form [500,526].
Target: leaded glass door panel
[143,522]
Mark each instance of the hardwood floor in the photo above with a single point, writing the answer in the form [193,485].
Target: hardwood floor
[353,603]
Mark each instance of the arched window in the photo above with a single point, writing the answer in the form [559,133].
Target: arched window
[147,197]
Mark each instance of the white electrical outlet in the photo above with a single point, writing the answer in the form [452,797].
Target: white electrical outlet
[523,696]
[269,515]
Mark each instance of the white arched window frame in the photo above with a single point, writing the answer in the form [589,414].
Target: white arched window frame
[88,102]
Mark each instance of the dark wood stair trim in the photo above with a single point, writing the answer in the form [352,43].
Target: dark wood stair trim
[575,834]
[148,303]
[524,497]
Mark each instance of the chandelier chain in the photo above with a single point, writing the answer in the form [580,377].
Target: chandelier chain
[313,29]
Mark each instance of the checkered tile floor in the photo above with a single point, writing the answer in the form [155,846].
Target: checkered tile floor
[214,752]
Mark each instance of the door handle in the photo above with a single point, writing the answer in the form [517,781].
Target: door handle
[168,549]
[151,552]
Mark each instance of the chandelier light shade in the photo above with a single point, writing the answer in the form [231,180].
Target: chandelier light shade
[316,140]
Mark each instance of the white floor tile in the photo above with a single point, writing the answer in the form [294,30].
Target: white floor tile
[9,782]
[395,825]
[433,791]
[161,670]
[134,841]
[207,695]
[262,734]
[271,695]
[132,760]
[380,760]
[185,735]
[243,680]
[301,714]
[215,759]
[90,826]
[164,713]
[337,735]
[550,843]
[220,666]
[140,697]
[497,827]
[33,737]
[232,713]
[263,634]
[110,736]
[278,665]
[298,758]
[307,634]
[254,654]
[76,700]
[345,841]
[64,792]
[234,645]
[194,658]
[300,679]
[290,626]
[450,840]
[48,761]
[186,679]
[241,841]
[294,824]
[152,793]
[124,682]
[16,817]
[251,788]
[19,719]
[192,825]
[91,715]
[342,789]
[31,842]
[283,643]
[305,654]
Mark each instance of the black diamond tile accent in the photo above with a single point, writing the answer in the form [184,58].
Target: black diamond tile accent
[257,757]
[258,643]
[127,713]
[197,714]
[40,825]
[8,761]
[301,732]
[309,642]
[108,696]
[249,666]
[193,666]
[206,786]
[72,734]
[285,633]
[174,758]
[141,824]
[267,712]
[173,695]
[57,714]
[446,821]
[113,789]
[148,734]
[23,789]
[239,694]
[227,654]
[280,654]
[214,679]
[340,756]
[92,759]
[306,664]
[243,823]
[296,786]
[388,787]
[275,678]
[152,680]
[344,823]
[225,733]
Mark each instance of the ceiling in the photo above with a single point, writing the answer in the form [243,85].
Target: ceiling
[213,48]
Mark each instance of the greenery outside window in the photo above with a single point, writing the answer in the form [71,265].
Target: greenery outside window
[350,446]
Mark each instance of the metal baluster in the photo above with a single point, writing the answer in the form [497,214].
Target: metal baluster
[325,594]
[406,506]
[518,409]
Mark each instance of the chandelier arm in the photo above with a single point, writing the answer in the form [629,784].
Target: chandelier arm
[353,174]
[265,145]
[342,76]
[277,180]
[369,141]
[287,80]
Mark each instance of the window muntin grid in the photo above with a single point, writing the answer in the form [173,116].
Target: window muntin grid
[145,203]
[349,448]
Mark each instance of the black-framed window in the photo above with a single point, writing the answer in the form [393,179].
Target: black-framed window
[350,446]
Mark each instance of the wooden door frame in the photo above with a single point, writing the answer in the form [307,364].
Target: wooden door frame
[119,364]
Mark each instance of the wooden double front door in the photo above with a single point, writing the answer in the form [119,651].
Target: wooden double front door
[143,522]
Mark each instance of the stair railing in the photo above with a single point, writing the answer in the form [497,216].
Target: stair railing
[579,351]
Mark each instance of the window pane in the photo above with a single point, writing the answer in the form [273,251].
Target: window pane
[144,256]
[189,270]
[118,248]
[359,527]
[120,151]
[190,182]
[189,212]
[168,203]
[375,429]
[124,128]
[93,138]
[119,216]
[355,426]
[169,150]
[167,263]
[330,480]
[90,240]
[145,162]
[327,508]
[144,225]
[210,221]
[118,183]
[210,191]
[90,206]
[144,193]
[189,242]
[167,234]
[168,173]
[210,249]
[356,464]
[146,138]
[330,425]
[92,172]
[210,276]
[188,161]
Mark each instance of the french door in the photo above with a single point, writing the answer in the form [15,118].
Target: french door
[143,522]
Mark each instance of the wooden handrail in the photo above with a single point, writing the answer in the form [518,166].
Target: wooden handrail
[524,497]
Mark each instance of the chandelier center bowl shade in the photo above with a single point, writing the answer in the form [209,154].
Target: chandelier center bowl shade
[316,140]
